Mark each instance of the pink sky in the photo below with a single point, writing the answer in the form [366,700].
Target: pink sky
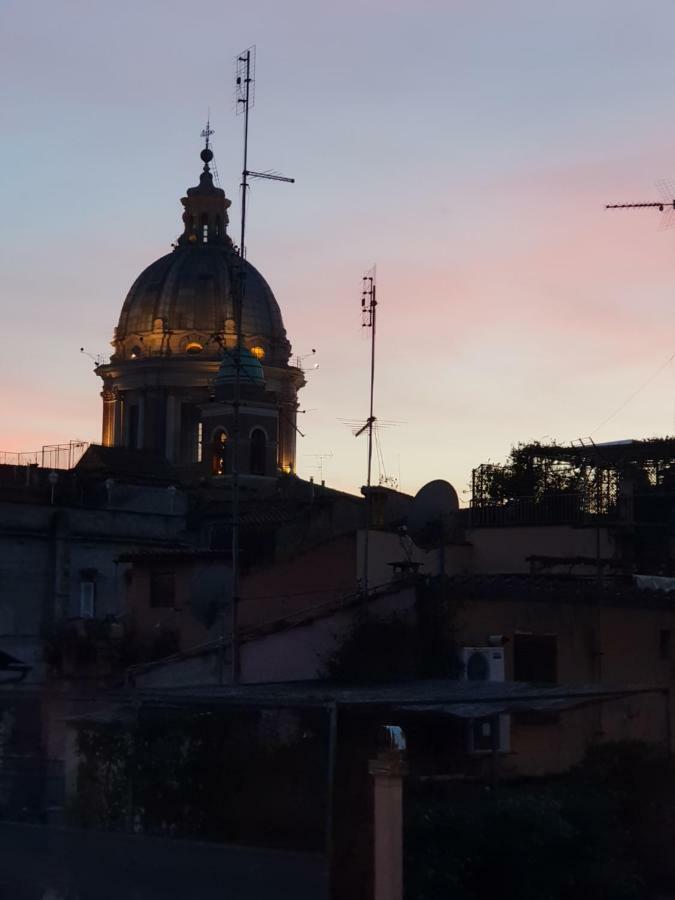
[467,150]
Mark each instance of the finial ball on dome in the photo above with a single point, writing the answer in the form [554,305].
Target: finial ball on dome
[206,155]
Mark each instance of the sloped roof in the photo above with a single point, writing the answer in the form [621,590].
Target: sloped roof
[137,465]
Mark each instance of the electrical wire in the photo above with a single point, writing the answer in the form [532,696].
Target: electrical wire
[635,393]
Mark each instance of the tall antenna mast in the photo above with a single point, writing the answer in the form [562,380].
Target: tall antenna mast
[369,317]
[244,101]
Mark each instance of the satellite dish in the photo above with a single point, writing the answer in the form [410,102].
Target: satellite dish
[433,515]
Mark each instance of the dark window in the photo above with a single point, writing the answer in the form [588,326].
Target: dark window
[664,643]
[87,599]
[258,452]
[483,734]
[535,658]
[133,428]
[220,453]
[162,589]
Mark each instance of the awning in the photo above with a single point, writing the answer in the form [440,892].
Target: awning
[507,707]
[444,697]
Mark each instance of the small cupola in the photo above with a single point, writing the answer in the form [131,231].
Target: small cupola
[205,217]
[250,372]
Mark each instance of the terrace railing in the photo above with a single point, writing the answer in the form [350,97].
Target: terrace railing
[50,456]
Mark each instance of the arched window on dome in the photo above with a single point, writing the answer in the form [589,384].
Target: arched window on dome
[220,454]
[218,226]
[205,228]
[258,452]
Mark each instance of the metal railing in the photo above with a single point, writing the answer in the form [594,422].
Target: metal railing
[50,456]
[552,509]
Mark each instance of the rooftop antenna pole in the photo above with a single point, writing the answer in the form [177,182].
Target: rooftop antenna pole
[245,100]
[369,316]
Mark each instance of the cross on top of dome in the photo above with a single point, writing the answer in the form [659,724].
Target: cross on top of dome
[207,153]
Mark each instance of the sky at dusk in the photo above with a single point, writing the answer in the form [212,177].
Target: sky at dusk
[466,148]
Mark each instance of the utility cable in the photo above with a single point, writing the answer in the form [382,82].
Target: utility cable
[635,393]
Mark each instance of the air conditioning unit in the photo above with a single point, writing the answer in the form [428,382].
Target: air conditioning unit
[485,664]
[482,663]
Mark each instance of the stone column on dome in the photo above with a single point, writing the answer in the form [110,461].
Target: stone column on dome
[118,419]
[108,429]
[287,434]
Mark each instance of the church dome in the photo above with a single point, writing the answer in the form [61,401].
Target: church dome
[175,346]
[183,299]
[184,304]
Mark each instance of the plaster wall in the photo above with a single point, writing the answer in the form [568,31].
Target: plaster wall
[47,550]
[505,550]
[302,652]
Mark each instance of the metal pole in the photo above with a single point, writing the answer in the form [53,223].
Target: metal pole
[244,178]
[240,290]
[373,307]
[669,722]
[234,642]
[330,799]
[366,548]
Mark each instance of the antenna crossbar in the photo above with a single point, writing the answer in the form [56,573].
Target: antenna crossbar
[659,206]
[270,176]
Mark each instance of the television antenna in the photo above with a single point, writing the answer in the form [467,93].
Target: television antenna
[320,457]
[299,360]
[665,205]
[368,320]
[244,97]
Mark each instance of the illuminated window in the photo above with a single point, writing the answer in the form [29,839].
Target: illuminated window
[194,347]
[219,457]
[200,435]
[258,352]
[205,229]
